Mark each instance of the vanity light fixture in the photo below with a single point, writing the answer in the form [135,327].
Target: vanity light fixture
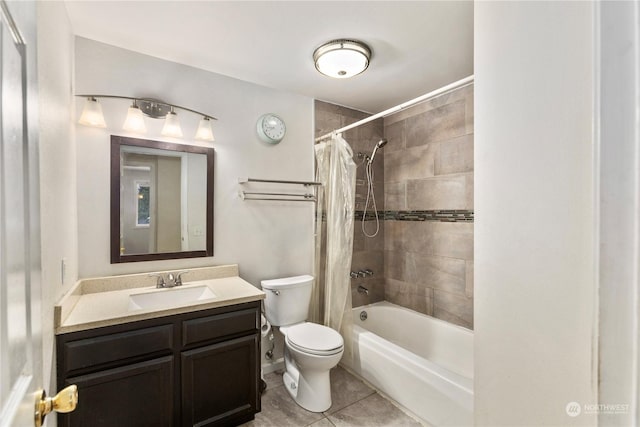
[342,58]
[172,125]
[92,116]
[135,119]
[204,130]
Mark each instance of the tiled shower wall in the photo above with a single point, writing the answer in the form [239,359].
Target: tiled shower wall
[368,253]
[428,165]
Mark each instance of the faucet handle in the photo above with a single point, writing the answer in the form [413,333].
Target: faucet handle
[368,272]
[353,275]
[160,281]
[178,279]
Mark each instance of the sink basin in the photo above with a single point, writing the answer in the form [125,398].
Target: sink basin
[165,298]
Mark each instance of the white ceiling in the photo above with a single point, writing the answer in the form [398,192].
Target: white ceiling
[417,46]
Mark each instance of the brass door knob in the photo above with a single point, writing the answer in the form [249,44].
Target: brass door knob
[65,401]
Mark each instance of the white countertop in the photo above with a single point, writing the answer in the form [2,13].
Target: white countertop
[81,310]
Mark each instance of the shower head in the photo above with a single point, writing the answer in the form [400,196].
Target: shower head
[379,145]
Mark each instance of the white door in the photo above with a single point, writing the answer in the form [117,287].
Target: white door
[20,323]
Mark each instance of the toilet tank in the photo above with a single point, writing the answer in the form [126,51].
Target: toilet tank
[287,300]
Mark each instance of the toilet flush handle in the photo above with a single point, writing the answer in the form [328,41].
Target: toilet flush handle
[275,292]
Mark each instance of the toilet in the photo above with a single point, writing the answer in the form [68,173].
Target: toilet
[310,350]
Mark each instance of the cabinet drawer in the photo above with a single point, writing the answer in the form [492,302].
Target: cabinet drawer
[220,325]
[107,349]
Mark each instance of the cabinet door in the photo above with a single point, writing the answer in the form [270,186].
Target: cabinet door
[138,395]
[220,383]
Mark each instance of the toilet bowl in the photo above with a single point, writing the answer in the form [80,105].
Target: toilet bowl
[311,350]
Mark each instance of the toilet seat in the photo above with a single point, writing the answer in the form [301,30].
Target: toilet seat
[313,339]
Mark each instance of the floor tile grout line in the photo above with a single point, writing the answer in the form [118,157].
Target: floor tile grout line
[326,414]
[371,392]
[331,422]
[317,421]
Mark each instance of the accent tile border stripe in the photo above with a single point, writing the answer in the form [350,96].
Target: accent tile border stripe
[429,215]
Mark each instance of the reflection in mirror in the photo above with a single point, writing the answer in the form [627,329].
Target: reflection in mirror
[161,200]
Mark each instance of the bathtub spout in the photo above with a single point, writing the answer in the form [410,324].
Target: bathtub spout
[363,290]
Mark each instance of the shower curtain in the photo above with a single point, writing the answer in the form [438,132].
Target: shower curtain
[334,236]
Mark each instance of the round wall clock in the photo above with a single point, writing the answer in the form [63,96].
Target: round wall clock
[271,128]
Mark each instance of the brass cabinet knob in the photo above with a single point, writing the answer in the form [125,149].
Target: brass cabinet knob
[65,401]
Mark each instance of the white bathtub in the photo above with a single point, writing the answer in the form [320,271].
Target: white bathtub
[423,363]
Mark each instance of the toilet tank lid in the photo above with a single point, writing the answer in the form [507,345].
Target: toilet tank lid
[286,282]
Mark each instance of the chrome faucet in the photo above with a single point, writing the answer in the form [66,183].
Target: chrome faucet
[361,273]
[172,280]
[160,281]
[178,278]
[363,290]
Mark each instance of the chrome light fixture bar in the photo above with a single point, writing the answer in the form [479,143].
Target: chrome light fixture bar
[92,116]
[342,58]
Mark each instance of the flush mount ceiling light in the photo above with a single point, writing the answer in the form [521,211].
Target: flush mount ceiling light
[92,116]
[342,58]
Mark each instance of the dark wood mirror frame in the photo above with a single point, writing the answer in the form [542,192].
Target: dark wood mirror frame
[116,143]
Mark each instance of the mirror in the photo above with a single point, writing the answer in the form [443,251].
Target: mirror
[161,200]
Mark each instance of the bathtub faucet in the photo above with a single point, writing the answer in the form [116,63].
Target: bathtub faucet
[361,273]
[363,290]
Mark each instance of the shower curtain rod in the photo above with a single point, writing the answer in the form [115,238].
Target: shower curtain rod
[455,85]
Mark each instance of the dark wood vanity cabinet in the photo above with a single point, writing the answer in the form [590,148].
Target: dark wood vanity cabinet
[194,369]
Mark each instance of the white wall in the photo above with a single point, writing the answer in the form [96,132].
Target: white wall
[196,196]
[619,151]
[535,290]
[266,239]
[57,167]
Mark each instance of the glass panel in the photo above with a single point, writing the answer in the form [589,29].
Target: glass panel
[142,199]
[15,332]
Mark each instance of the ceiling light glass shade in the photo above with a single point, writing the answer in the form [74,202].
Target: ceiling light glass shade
[172,126]
[204,130]
[342,59]
[135,120]
[92,114]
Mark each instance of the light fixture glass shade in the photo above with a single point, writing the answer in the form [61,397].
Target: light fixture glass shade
[342,59]
[135,120]
[92,114]
[204,130]
[172,126]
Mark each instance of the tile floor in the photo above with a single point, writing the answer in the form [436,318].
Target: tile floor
[354,404]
